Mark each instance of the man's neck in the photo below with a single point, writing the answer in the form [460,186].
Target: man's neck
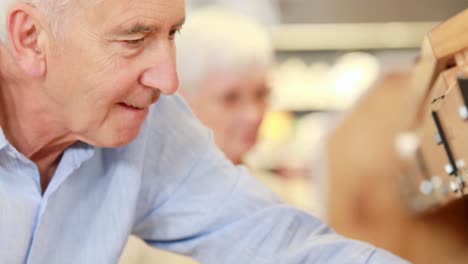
[33,135]
[30,127]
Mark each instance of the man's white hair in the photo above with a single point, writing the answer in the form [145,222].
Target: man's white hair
[52,9]
[215,38]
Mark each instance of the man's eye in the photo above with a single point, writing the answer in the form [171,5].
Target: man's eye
[173,32]
[134,42]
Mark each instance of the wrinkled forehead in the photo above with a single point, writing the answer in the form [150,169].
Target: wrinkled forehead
[111,13]
[100,14]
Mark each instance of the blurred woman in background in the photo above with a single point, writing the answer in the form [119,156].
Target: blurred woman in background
[224,78]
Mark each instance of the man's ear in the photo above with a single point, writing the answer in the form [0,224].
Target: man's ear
[27,39]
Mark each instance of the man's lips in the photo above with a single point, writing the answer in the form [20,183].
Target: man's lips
[132,106]
[143,104]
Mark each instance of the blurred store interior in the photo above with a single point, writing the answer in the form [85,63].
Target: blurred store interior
[330,55]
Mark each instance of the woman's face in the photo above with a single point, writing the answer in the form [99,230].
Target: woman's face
[232,104]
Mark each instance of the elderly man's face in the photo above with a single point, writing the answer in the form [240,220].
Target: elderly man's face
[232,104]
[111,64]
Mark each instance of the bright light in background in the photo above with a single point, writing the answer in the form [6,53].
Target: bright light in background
[347,80]
[353,74]
[297,86]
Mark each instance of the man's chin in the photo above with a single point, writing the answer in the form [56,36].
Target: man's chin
[119,139]
[123,140]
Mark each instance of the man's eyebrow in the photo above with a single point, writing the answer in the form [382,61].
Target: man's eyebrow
[140,28]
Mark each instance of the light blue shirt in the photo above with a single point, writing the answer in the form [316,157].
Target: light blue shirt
[171,187]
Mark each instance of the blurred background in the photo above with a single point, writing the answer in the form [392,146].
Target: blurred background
[340,72]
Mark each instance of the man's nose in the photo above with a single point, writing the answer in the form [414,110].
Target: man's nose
[161,75]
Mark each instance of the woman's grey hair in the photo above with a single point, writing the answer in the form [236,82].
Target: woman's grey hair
[54,10]
[216,39]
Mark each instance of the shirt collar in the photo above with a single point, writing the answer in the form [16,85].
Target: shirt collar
[83,153]
[3,140]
